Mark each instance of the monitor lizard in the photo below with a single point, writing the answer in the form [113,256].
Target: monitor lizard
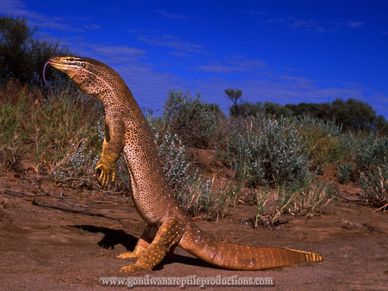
[127,131]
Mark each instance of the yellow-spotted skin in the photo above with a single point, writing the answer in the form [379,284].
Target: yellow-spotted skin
[167,236]
[127,132]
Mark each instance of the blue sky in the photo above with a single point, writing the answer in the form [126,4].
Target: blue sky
[279,51]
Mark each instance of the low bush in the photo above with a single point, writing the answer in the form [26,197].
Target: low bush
[265,151]
[367,165]
[196,123]
[322,139]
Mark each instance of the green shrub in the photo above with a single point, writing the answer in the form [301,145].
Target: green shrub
[351,115]
[197,124]
[371,151]
[253,109]
[265,151]
[367,165]
[375,185]
[345,172]
[372,169]
[322,141]
[246,109]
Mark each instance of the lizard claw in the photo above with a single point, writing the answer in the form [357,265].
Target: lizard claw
[132,269]
[105,174]
[127,255]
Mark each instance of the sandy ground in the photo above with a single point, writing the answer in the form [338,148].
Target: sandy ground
[43,248]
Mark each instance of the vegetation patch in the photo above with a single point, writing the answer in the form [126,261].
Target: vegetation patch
[277,151]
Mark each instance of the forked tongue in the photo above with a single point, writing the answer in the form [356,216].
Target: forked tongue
[44,74]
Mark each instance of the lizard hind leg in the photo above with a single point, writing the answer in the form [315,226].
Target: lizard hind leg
[143,243]
[167,236]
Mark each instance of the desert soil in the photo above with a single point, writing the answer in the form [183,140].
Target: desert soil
[58,238]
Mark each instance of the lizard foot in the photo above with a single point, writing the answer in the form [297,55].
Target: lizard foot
[133,269]
[127,255]
[106,173]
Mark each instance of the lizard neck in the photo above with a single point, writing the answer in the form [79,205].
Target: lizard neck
[151,193]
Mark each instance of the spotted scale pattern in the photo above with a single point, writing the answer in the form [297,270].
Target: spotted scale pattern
[126,130]
[234,256]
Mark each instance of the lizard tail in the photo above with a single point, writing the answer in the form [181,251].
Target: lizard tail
[240,257]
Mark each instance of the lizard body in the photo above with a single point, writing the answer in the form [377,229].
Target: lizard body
[127,131]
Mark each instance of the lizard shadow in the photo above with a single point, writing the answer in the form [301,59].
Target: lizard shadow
[113,237]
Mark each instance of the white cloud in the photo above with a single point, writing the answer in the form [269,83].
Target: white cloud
[295,22]
[216,68]
[118,53]
[232,64]
[308,24]
[170,41]
[17,8]
[355,24]
[170,15]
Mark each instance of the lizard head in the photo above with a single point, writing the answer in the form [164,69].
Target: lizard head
[88,74]
[74,67]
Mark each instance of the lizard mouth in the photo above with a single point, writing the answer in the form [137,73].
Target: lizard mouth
[58,64]
[66,63]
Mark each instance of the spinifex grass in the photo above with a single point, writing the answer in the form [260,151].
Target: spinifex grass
[303,202]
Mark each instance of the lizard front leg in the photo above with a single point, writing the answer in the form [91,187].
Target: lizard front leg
[111,148]
[168,235]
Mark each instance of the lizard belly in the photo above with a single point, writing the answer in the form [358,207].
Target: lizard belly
[147,189]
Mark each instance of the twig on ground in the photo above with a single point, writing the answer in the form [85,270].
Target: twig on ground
[381,208]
